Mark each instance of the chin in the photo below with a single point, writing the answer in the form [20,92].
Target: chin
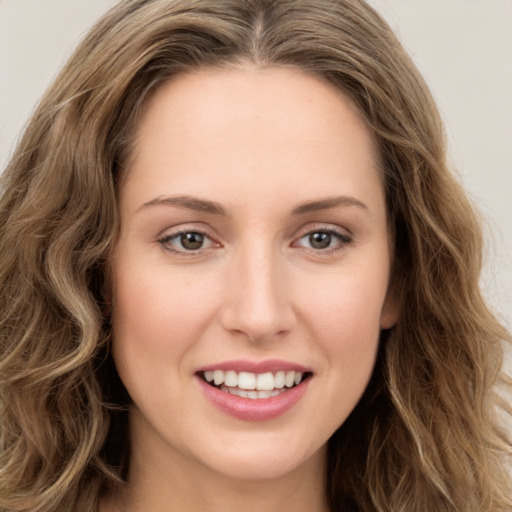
[264,460]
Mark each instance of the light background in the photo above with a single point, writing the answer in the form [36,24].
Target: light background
[463,48]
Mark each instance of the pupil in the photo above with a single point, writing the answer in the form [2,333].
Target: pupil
[320,240]
[192,241]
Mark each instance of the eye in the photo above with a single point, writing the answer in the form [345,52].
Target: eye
[324,240]
[186,241]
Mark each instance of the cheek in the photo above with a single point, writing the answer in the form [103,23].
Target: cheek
[156,317]
[344,326]
[345,318]
[347,304]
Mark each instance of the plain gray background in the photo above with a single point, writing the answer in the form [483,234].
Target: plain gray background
[463,48]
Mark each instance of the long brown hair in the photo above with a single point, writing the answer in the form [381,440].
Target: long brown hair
[424,436]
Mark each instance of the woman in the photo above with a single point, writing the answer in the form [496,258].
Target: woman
[236,272]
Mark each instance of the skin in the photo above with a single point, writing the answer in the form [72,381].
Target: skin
[260,144]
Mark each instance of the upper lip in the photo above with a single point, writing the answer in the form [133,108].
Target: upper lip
[269,365]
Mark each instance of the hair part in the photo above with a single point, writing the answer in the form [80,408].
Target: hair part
[424,436]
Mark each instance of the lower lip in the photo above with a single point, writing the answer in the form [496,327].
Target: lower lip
[259,409]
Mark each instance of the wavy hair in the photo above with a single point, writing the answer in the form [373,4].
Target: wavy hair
[425,435]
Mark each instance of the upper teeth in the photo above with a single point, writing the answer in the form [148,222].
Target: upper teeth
[258,381]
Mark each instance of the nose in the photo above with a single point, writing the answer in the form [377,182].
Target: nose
[258,299]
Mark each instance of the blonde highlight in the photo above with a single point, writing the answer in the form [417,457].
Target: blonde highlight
[425,435]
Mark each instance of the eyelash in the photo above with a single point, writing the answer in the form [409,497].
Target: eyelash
[165,241]
[342,238]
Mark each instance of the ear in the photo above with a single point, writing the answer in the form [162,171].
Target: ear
[392,308]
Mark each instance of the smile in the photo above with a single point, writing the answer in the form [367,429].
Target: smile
[254,391]
[254,385]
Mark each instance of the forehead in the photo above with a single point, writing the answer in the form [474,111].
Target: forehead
[252,97]
[280,125]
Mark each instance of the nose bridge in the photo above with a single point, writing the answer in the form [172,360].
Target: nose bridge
[258,302]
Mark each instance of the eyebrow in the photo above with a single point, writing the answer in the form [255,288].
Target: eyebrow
[204,206]
[326,204]
[188,202]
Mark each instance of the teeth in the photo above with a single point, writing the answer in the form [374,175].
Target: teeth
[289,379]
[218,377]
[254,382]
[251,394]
[279,380]
[246,380]
[265,381]
[230,378]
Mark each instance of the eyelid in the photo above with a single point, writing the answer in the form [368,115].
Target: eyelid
[344,236]
[168,235]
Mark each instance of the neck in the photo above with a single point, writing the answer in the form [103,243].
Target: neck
[197,495]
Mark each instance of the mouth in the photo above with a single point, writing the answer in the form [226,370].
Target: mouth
[254,385]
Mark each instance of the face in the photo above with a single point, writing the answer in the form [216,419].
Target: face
[251,273]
